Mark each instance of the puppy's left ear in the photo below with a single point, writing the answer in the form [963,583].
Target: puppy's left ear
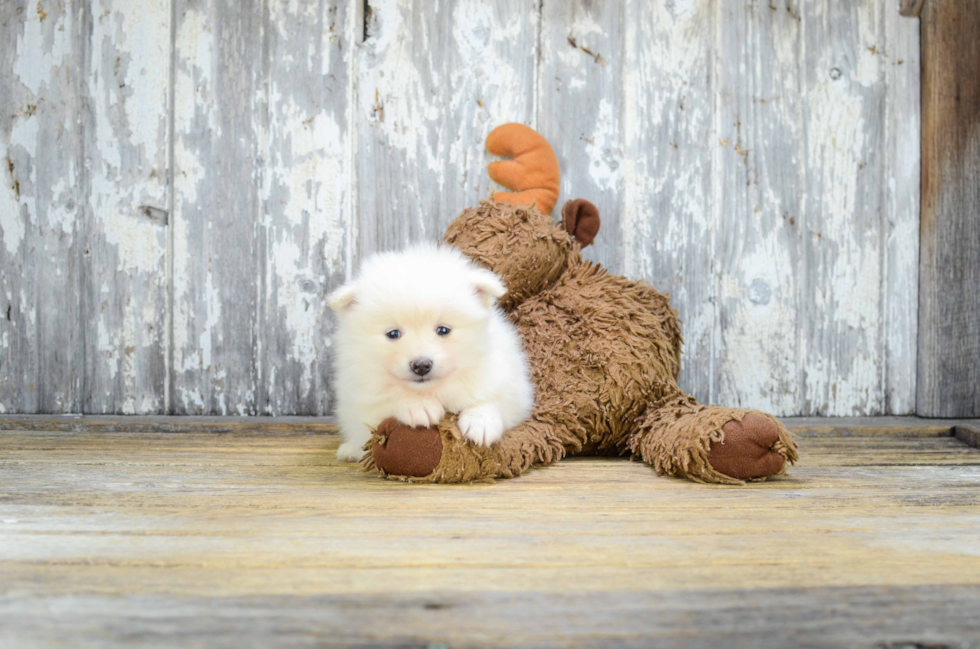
[488,286]
[343,298]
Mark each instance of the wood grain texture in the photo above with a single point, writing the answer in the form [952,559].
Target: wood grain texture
[761,179]
[892,617]
[841,297]
[669,220]
[432,81]
[42,190]
[862,124]
[305,226]
[900,222]
[126,214]
[121,536]
[949,265]
[262,205]
[18,351]
[217,171]
[579,109]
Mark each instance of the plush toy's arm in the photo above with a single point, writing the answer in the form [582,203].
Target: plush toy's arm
[533,174]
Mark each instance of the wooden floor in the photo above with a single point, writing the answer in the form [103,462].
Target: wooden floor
[258,538]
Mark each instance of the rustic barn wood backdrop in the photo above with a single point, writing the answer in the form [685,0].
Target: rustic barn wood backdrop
[183,181]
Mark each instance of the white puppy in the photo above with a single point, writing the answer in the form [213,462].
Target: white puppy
[420,335]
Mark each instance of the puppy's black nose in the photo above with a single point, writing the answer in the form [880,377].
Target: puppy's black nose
[421,366]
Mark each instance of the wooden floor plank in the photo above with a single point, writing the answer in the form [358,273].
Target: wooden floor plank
[158,538]
[889,618]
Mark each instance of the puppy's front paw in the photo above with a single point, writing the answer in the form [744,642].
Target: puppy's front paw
[421,414]
[350,452]
[482,425]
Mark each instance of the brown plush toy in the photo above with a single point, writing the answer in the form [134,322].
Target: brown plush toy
[604,352]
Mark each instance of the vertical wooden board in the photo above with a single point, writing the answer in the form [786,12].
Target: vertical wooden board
[127,144]
[217,173]
[760,174]
[901,220]
[305,198]
[41,193]
[432,80]
[580,110]
[18,123]
[667,220]
[949,267]
[841,309]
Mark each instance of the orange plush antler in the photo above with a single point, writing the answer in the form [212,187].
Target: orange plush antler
[533,174]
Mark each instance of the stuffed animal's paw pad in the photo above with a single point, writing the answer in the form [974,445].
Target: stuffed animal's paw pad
[750,449]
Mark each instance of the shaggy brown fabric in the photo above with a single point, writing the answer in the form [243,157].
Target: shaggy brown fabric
[677,436]
[604,353]
[518,242]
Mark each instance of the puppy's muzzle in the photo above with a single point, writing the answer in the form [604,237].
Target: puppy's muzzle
[421,366]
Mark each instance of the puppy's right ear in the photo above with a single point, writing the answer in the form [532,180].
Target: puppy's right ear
[342,299]
[488,286]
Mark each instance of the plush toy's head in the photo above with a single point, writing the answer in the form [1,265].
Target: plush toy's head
[513,237]
[518,243]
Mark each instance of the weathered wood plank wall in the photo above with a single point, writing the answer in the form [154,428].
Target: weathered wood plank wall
[261,209]
[124,220]
[949,273]
[185,181]
[41,207]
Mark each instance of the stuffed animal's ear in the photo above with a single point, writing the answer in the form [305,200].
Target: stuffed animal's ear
[581,220]
[488,286]
[342,298]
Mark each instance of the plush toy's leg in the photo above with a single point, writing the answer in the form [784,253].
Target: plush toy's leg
[678,436]
[441,454]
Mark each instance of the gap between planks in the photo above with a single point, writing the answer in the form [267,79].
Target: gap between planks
[965,430]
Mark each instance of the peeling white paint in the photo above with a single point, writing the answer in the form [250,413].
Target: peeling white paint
[38,64]
[758,356]
[139,243]
[841,377]
[667,220]
[194,104]
[902,135]
[38,55]
[127,85]
[604,149]
[12,225]
[316,199]
[388,86]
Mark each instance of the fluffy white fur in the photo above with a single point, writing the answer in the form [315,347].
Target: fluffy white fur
[478,369]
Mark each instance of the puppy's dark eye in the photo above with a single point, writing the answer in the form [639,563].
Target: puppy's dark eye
[394,334]
[442,331]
